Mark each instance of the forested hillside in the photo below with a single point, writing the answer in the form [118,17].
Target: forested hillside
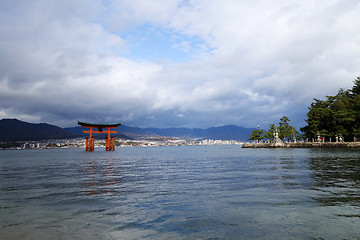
[16,130]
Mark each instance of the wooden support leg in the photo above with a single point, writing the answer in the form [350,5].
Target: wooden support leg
[107,144]
[113,144]
[92,144]
[87,144]
[108,140]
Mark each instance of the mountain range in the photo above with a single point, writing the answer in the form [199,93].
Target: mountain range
[16,130]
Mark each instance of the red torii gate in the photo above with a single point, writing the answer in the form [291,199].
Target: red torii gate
[110,142]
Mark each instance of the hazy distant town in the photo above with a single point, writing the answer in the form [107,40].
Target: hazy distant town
[100,143]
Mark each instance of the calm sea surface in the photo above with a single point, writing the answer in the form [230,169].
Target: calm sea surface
[190,192]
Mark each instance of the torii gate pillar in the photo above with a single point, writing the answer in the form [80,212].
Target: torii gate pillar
[90,141]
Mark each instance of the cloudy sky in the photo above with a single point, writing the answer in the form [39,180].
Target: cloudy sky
[174,63]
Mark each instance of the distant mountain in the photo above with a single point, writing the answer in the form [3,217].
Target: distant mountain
[16,130]
[178,132]
[228,132]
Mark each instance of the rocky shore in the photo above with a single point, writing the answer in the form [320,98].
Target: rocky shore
[303,145]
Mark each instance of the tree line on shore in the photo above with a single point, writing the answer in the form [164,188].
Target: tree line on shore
[335,117]
[286,131]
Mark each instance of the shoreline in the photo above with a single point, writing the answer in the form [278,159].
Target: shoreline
[303,145]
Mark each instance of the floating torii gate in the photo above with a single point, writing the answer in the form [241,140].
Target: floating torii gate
[90,141]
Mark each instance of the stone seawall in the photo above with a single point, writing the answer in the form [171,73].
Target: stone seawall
[304,145]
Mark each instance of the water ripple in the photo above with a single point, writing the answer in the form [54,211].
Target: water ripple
[211,192]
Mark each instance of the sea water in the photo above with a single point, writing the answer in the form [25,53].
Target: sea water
[187,192]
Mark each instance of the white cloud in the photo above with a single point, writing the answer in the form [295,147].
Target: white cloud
[249,62]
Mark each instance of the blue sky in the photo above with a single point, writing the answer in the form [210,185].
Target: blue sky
[173,63]
[159,44]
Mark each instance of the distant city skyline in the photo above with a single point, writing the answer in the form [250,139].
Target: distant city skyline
[174,63]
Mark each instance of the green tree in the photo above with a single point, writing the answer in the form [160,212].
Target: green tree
[318,117]
[285,130]
[356,112]
[355,91]
[270,132]
[343,114]
[256,135]
[355,94]
[338,115]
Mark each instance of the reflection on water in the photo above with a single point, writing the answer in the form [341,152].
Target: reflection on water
[100,179]
[336,176]
[212,192]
